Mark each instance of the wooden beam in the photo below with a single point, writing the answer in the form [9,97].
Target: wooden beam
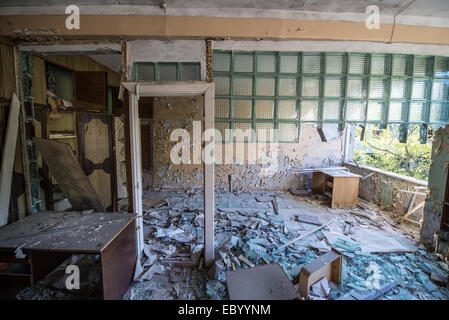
[405,216]
[305,235]
[136,167]
[113,27]
[9,151]
[173,89]
[209,179]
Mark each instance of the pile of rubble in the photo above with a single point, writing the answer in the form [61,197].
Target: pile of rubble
[248,232]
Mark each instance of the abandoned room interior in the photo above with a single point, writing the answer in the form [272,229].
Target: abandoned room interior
[215,150]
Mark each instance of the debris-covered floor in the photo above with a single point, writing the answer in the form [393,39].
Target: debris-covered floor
[376,254]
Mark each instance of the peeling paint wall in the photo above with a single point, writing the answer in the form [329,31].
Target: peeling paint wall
[172,113]
[180,112]
[437,187]
[384,188]
[285,158]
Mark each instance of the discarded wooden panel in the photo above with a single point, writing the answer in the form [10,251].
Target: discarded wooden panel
[70,177]
[8,159]
[328,265]
[96,154]
[265,282]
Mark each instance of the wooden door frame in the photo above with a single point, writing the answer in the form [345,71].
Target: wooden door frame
[167,89]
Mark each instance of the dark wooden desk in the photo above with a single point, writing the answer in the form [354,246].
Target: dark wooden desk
[49,238]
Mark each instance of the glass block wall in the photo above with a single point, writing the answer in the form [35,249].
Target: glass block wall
[167,71]
[282,90]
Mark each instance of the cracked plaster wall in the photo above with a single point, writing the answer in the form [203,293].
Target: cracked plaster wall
[180,112]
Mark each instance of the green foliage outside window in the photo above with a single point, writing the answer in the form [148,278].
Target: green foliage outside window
[381,149]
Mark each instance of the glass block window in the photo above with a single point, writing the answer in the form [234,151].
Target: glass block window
[172,71]
[282,90]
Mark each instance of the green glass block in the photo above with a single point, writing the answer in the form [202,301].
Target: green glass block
[378,64]
[190,72]
[438,112]
[167,72]
[440,90]
[310,87]
[243,86]
[243,109]
[289,64]
[416,111]
[265,131]
[441,67]
[264,109]
[355,111]
[309,110]
[242,131]
[420,66]
[332,110]
[356,88]
[287,109]
[266,63]
[419,89]
[358,63]
[374,112]
[222,107]
[312,63]
[265,86]
[222,127]
[395,111]
[243,63]
[378,87]
[287,132]
[221,61]
[333,87]
[335,64]
[398,87]
[399,65]
[287,87]
[222,85]
[145,71]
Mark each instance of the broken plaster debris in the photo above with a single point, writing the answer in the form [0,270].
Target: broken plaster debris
[247,227]
[171,268]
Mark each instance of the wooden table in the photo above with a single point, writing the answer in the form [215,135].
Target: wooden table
[344,186]
[49,238]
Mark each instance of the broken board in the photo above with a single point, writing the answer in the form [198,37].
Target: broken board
[265,282]
[70,177]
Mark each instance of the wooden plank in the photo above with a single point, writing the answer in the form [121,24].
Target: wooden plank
[345,192]
[305,235]
[245,260]
[209,179]
[9,148]
[405,216]
[136,166]
[328,265]
[70,176]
